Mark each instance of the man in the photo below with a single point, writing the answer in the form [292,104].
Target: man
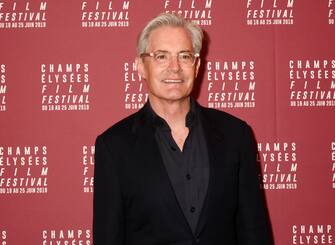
[176,173]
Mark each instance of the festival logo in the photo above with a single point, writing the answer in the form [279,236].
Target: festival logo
[279,165]
[88,168]
[332,150]
[312,83]
[23,169]
[65,87]
[313,234]
[198,11]
[270,12]
[331,12]
[23,14]
[105,14]
[3,87]
[231,84]
[66,236]
[134,88]
[3,237]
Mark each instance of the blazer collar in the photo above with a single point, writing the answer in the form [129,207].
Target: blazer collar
[214,138]
[147,116]
[148,150]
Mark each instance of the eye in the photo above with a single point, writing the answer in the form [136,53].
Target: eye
[160,57]
[185,56]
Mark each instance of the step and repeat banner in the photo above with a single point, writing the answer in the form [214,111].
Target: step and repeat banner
[67,73]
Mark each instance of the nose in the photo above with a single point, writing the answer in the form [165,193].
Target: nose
[174,64]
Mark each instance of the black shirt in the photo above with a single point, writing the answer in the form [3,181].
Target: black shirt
[188,169]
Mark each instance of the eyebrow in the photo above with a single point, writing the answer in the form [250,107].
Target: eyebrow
[165,51]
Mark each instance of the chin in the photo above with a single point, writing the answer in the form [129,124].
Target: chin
[176,97]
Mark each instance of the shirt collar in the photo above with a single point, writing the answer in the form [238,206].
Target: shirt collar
[160,123]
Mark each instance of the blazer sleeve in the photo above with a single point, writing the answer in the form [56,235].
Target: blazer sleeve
[252,227]
[107,204]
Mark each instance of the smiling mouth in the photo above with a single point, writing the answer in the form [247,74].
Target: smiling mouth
[173,81]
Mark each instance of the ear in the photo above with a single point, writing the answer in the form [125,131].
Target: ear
[140,67]
[197,66]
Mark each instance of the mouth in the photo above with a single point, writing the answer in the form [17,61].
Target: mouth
[172,80]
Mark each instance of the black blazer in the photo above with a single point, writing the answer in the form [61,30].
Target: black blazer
[135,204]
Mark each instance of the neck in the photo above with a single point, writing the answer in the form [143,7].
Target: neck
[173,112]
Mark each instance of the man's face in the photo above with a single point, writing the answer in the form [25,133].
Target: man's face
[173,81]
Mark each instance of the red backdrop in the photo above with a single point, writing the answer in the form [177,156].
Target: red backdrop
[67,73]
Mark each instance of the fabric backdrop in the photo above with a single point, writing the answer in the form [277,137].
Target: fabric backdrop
[67,73]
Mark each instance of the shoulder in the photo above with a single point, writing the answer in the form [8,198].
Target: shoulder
[119,133]
[236,131]
[221,119]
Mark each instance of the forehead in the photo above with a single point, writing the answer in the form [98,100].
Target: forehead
[169,38]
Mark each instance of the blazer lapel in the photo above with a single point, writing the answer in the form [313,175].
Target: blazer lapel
[215,139]
[147,151]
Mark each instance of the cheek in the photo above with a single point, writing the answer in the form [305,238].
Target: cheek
[191,74]
[155,75]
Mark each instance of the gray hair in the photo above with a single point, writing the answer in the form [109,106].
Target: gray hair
[166,19]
